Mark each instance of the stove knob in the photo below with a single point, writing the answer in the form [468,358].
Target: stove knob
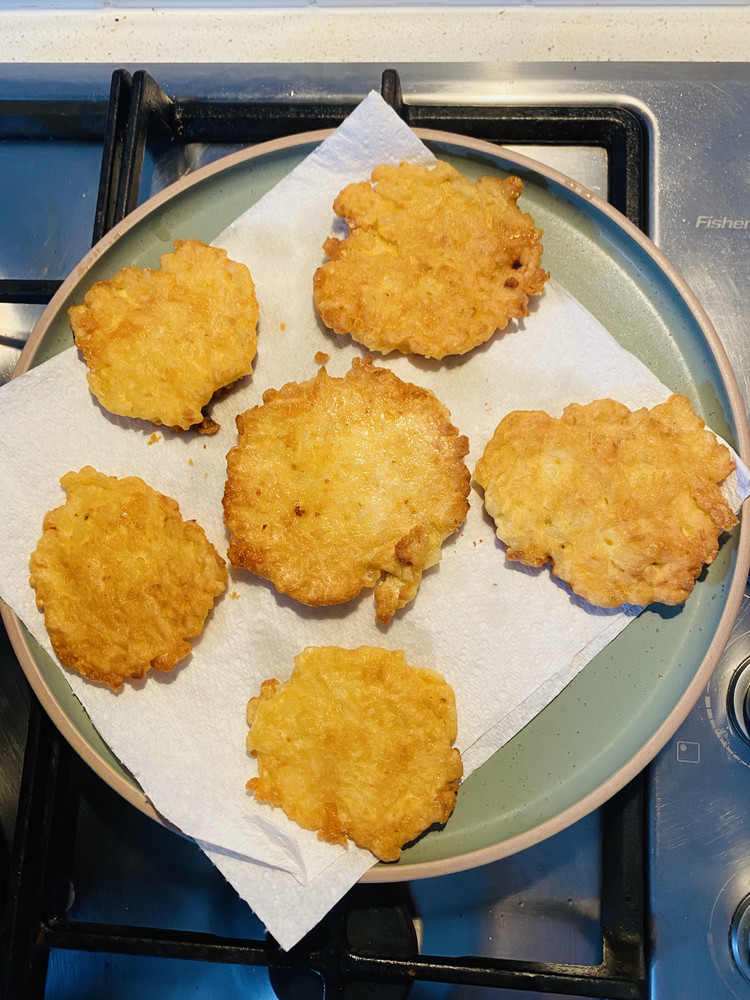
[738,700]
[739,936]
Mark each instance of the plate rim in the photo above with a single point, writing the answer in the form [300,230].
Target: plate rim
[131,791]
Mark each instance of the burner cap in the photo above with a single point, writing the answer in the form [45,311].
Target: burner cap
[374,921]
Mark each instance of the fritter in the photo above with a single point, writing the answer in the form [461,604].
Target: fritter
[123,580]
[433,264]
[342,483]
[624,505]
[357,745]
[161,343]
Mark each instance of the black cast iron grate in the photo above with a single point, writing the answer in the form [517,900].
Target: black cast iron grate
[342,952]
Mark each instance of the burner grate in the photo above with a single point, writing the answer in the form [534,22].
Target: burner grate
[343,951]
[336,955]
[153,116]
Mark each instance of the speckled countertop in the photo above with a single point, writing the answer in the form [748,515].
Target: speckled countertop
[341,33]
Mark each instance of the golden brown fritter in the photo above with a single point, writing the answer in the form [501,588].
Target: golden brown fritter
[624,505]
[433,264]
[161,343]
[342,483]
[357,744]
[123,580]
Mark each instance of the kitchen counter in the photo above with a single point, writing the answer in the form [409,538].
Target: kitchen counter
[344,33]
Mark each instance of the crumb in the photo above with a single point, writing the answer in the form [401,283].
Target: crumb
[321,357]
[208,426]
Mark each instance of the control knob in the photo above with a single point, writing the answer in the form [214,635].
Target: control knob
[738,700]
[739,936]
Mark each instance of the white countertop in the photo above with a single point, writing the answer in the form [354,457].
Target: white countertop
[343,33]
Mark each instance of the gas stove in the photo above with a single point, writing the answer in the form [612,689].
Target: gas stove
[99,899]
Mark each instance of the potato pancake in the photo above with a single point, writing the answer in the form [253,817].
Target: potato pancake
[357,744]
[433,264]
[342,483]
[159,344]
[624,505]
[122,579]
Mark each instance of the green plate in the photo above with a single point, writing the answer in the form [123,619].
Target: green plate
[628,701]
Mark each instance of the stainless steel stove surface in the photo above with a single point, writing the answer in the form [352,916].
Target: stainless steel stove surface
[123,907]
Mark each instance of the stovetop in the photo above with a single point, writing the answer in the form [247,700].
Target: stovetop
[563,918]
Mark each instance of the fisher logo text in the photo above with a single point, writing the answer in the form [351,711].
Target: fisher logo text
[721,222]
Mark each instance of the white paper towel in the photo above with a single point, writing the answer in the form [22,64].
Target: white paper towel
[182,735]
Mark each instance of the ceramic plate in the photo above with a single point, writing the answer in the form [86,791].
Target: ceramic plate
[628,701]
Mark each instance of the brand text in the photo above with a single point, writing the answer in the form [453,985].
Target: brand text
[721,222]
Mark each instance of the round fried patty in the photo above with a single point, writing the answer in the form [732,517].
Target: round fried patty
[434,263]
[160,343]
[123,580]
[624,505]
[357,744]
[342,483]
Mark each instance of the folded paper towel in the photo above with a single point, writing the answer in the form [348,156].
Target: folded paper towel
[182,735]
